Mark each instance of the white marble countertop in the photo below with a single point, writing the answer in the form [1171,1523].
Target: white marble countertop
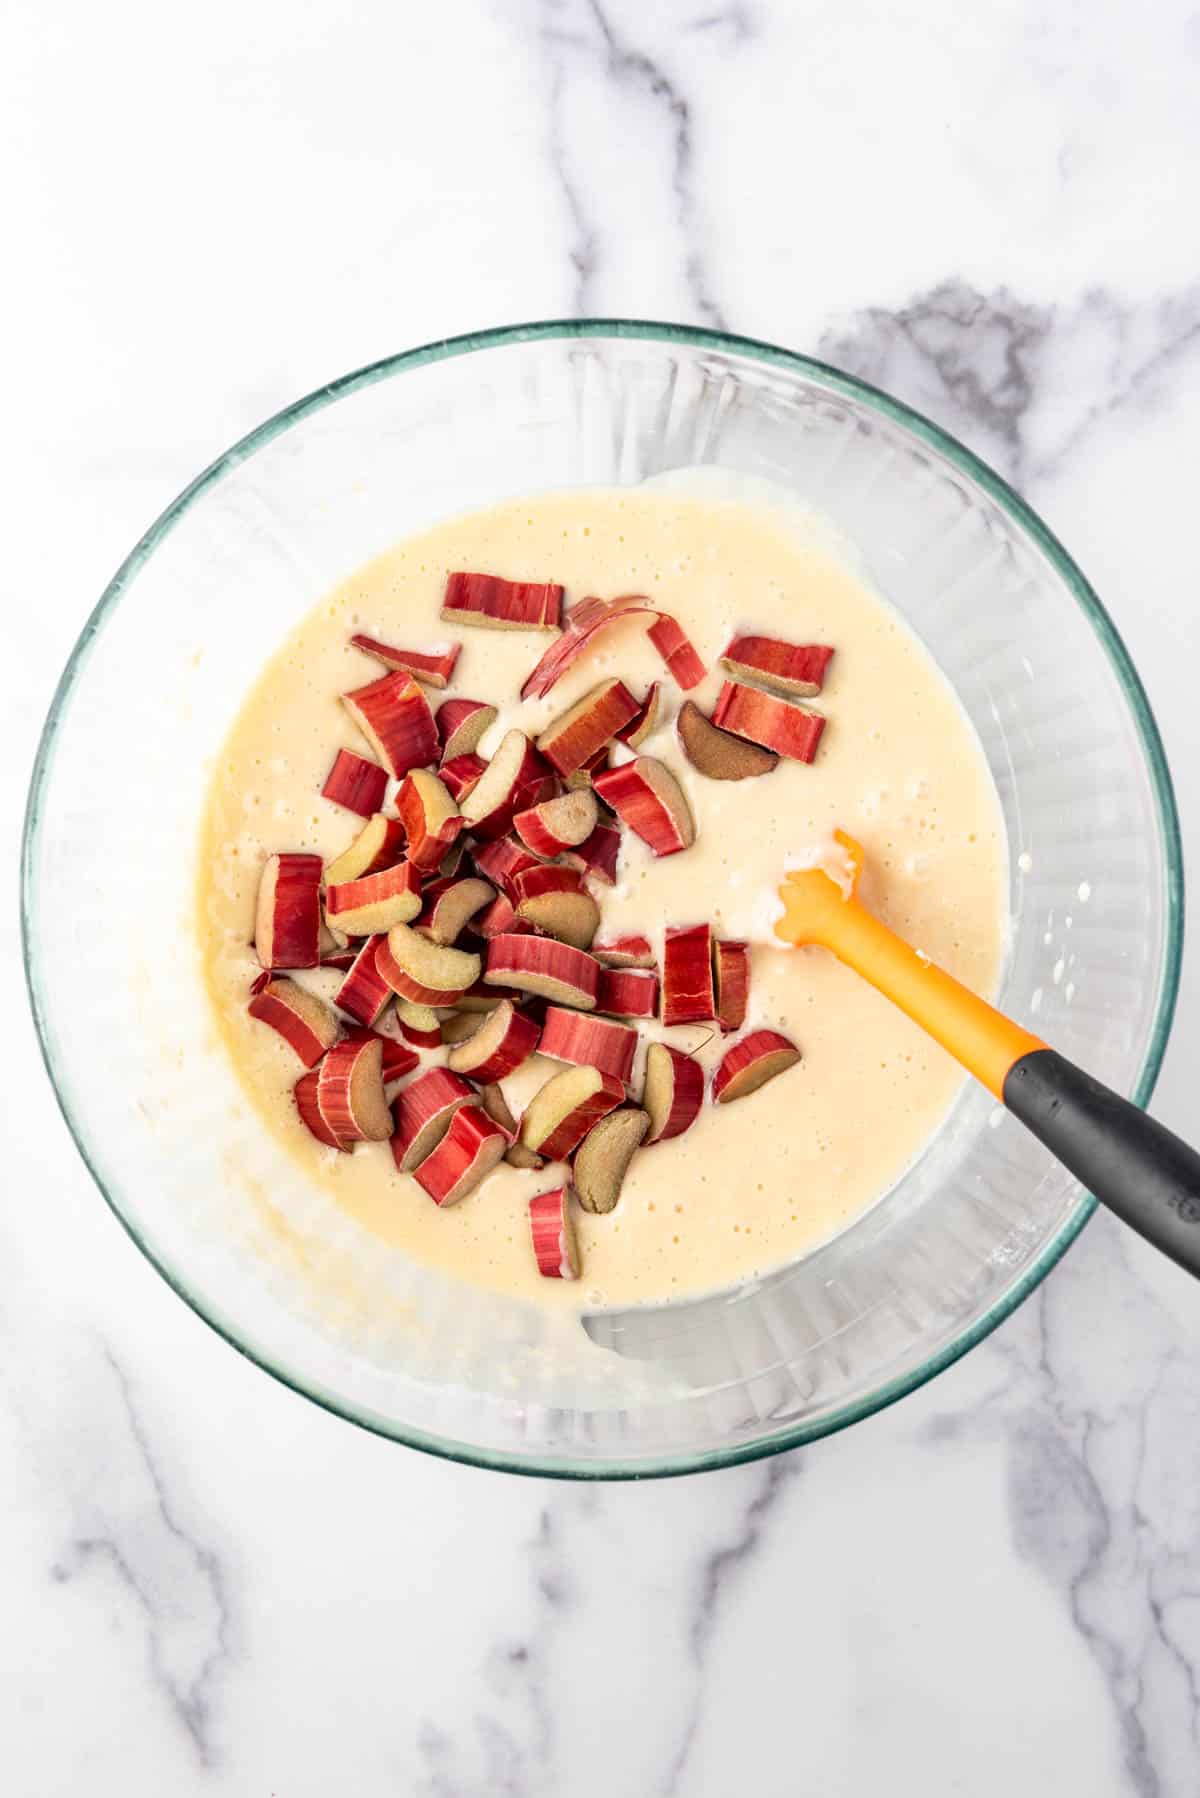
[208,1585]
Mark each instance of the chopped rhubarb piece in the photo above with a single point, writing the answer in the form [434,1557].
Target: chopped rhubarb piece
[339,958]
[499,919]
[718,754]
[589,1042]
[485,599]
[418,1024]
[536,964]
[674,1091]
[561,1113]
[501,860]
[398,1060]
[305,1094]
[356,783]
[553,1235]
[433,667]
[731,982]
[687,986]
[503,1041]
[376,902]
[423,1112]
[587,726]
[459,1026]
[625,952]
[304,1022]
[350,1091]
[447,916]
[364,994]
[496,1106]
[515,778]
[378,844]
[751,1063]
[779,724]
[553,900]
[646,796]
[287,928]
[453,859]
[394,716]
[602,1158]
[466,1155]
[597,857]
[460,725]
[584,621]
[481,997]
[557,824]
[460,775]
[424,971]
[790,668]
[677,651]
[581,780]
[430,818]
[628,992]
[645,721]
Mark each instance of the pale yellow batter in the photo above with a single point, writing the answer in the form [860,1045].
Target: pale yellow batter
[752,1184]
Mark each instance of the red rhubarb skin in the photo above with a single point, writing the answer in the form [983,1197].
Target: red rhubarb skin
[460,774]
[305,1094]
[592,731]
[398,1060]
[589,1042]
[624,952]
[645,723]
[772,723]
[687,1093]
[431,1095]
[795,667]
[390,849]
[501,861]
[500,919]
[627,790]
[355,783]
[294,933]
[552,1237]
[739,1056]
[364,992]
[678,652]
[337,1074]
[453,1169]
[426,848]
[269,1008]
[687,987]
[731,967]
[534,782]
[511,955]
[433,670]
[628,992]
[568,1135]
[518,1043]
[541,881]
[398,713]
[406,984]
[536,605]
[369,889]
[450,718]
[598,854]
[582,624]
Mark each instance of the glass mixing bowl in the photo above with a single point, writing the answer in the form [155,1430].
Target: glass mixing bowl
[161,668]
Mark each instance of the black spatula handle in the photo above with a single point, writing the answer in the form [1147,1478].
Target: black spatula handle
[1134,1166]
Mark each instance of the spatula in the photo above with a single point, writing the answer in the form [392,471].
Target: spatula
[1131,1163]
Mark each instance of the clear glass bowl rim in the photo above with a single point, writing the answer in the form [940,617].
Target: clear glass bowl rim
[1004,496]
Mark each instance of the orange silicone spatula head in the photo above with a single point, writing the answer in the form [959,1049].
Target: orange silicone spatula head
[821,905]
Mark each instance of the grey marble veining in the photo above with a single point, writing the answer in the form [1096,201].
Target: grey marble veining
[212,1587]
